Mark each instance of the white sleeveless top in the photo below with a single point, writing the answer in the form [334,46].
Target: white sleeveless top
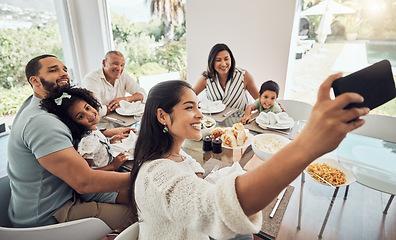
[234,95]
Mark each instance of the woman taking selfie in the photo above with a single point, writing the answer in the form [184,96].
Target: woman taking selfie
[172,202]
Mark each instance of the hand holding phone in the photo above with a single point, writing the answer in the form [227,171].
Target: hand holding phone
[375,83]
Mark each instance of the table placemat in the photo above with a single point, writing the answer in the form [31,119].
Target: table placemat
[219,117]
[270,227]
[124,121]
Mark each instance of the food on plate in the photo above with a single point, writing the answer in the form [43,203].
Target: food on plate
[240,134]
[232,136]
[206,123]
[270,145]
[330,174]
[229,139]
[217,132]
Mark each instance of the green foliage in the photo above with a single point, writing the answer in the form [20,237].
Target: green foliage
[155,28]
[143,45]
[145,50]
[17,47]
[173,55]
[11,99]
[147,69]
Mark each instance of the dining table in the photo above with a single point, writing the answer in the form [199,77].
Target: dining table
[372,162]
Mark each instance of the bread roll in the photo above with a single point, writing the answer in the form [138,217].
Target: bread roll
[241,137]
[229,139]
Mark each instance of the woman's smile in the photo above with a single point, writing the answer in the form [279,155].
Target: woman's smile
[196,126]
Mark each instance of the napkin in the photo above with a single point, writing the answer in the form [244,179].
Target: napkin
[214,176]
[210,106]
[135,108]
[127,145]
[274,119]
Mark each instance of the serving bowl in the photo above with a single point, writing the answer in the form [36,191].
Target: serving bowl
[267,144]
[208,124]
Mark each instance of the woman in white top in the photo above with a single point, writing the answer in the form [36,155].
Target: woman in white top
[172,203]
[224,81]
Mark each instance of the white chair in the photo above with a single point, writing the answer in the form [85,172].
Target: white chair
[380,127]
[296,109]
[130,233]
[87,229]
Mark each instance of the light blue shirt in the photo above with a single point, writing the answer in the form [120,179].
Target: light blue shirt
[35,192]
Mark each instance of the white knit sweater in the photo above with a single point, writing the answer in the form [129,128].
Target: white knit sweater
[175,204]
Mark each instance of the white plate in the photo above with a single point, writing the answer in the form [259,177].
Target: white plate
[122,113]
[333,163]
[276,126]
[247,143]
[219,108]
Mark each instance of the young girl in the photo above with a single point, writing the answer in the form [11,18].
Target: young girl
[78,109]
[164,194]
[269,92]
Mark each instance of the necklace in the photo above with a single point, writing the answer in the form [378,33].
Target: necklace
[177,155]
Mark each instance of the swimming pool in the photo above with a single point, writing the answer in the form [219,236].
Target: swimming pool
[377,51]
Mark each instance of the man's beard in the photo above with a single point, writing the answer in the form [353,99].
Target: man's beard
[50,86]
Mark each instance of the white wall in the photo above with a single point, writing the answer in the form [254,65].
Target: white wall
[88,36]
[257,31]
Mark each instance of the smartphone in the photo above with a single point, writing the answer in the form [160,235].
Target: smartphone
[375,83]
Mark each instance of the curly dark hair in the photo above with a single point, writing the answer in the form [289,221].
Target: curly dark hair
[48,104]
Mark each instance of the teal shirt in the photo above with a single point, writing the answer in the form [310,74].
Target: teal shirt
[275,109]
[35,192]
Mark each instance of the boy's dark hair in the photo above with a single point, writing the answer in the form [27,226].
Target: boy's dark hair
[271,86]
[77,94]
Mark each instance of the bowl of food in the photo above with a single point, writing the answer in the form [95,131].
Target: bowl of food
[267,144]
[207,126]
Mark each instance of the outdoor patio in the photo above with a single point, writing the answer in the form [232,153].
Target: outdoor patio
[321,61]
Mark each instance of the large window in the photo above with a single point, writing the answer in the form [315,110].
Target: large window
[154,46]
[27,29]
[348,42]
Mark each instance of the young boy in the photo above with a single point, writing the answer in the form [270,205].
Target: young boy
[266,103]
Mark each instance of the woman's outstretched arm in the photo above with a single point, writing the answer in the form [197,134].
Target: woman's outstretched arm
[326,128]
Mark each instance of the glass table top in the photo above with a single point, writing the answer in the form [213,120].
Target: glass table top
[372,161]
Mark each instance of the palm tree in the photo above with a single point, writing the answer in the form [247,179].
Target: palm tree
[171,12]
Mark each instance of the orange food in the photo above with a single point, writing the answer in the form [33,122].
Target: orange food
[216,133]
[332,175]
